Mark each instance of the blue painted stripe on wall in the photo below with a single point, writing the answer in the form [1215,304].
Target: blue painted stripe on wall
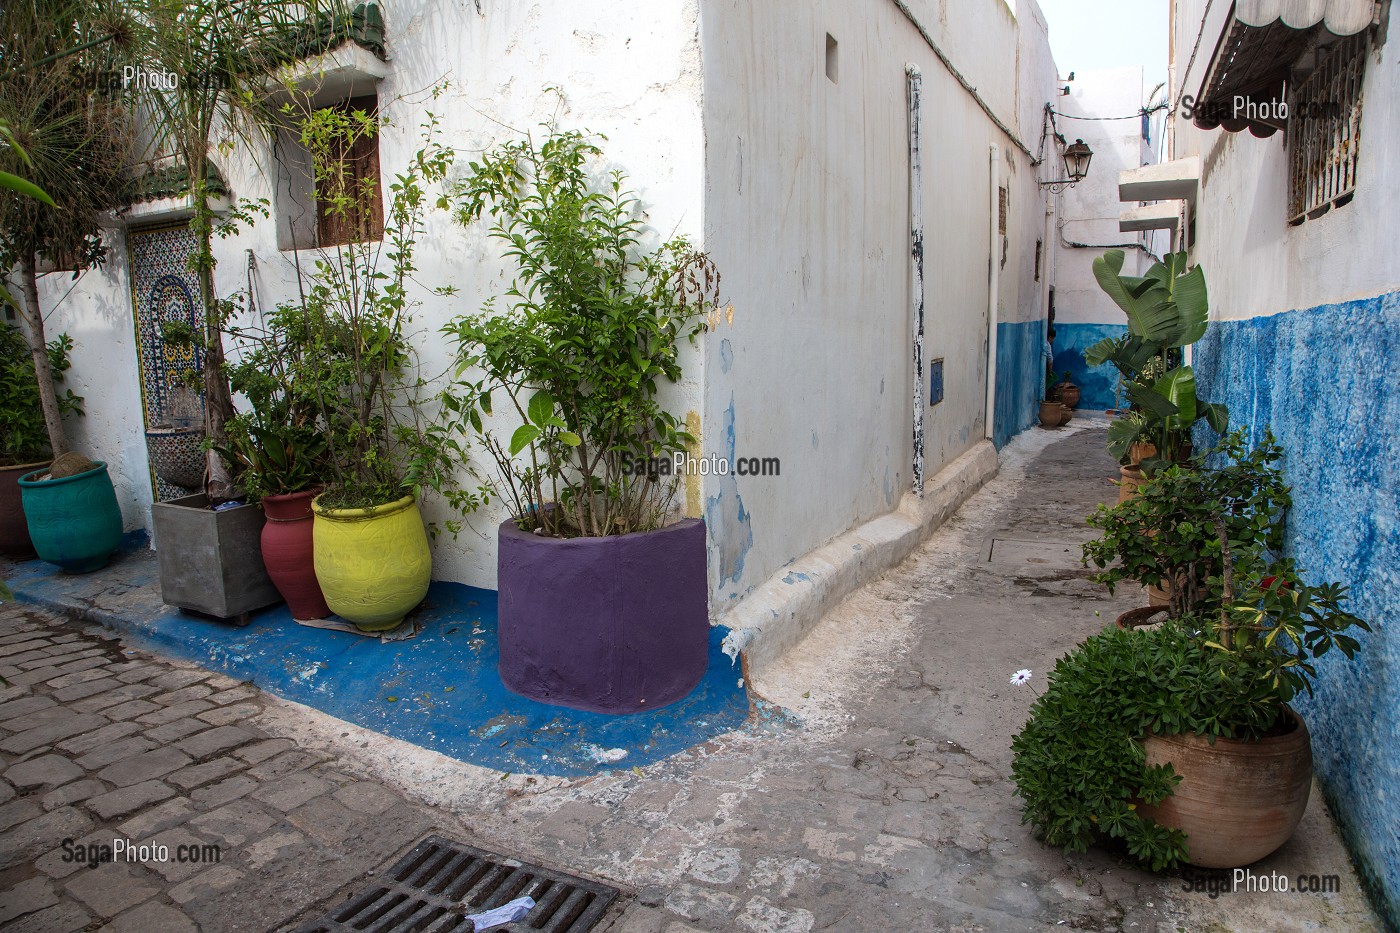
[1020,378]
[1097,385]
[1324,380]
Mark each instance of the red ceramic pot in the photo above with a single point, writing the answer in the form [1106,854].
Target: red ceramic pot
[14,528]
[286,550]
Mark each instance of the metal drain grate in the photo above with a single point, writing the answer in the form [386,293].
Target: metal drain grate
[426,890]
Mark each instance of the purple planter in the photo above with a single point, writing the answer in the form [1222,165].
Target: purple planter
[609,625]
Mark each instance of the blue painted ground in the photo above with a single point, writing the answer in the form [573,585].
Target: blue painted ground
[1324,380]
[439,690]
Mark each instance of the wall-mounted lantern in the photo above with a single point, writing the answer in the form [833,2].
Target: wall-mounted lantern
[1077,159]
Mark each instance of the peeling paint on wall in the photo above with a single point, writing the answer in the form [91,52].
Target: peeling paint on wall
[1323,379]
[726,518]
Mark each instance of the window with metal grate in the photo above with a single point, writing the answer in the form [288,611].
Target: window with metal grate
[1324,130]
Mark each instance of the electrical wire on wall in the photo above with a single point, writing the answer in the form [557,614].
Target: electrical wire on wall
[1072,244]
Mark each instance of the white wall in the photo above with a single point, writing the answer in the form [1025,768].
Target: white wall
[1089,211]
[96,312]
[1346,254]
[628,71]
[807,215]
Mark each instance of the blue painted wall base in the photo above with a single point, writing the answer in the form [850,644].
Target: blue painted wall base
[1324,380]
[1098,385]
[439,690]
[1020,378]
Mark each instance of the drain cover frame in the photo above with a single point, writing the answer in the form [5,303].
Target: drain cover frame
[433,887]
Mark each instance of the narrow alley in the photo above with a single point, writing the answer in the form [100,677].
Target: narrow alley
[869,791]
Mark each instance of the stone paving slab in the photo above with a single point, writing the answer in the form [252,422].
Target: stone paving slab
[877,798]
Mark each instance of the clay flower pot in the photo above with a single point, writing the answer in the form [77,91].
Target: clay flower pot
[373,564]
[1051,413]
[288,555]
[1130,479]
[1068,394]
[74,521]
[14,530]
[1237,801]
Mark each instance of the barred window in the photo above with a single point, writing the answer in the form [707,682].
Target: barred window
[1324,130]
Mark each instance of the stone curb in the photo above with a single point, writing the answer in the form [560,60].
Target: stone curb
[785,607]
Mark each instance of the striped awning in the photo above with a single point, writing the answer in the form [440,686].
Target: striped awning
[1340,17]
[1261,42]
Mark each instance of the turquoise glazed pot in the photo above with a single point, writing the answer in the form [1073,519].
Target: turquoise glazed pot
[74,522]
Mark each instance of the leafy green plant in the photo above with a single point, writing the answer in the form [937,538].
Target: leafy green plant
[1168,308]
[1166,534]
[66,134]
[591,328]
[279,443]
[24,437]
[1079,764]
[357,312]
[1245,630]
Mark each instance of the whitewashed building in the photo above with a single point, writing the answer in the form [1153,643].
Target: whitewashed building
[777,135]
[1109,110]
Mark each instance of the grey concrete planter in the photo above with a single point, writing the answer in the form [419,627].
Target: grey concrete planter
[211,562]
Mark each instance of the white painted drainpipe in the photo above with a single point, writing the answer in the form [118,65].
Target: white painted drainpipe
[993,287]
[916,269]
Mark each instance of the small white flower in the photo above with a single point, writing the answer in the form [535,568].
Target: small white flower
[1023,676]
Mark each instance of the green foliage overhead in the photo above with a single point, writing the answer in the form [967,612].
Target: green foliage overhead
[23,435]
[590,330]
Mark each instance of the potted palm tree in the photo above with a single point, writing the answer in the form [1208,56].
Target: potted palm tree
[603,592]
[63,133]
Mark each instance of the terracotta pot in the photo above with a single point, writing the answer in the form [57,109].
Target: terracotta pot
[1068,394]
[1050,414]
[1237,801]
[287,553]
[14,529]
[1066,413]
[1158,596]
[1140,618]
[1130,478]
[1140,451]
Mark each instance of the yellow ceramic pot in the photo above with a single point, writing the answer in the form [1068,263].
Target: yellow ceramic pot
[373,564]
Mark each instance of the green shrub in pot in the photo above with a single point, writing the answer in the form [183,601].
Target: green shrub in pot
[1165,535]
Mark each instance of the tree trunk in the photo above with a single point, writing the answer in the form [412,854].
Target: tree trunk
[38,347]
[218,401]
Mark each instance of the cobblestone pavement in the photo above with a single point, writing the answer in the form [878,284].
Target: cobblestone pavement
[879,800]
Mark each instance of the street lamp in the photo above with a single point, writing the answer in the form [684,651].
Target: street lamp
[1077,159]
